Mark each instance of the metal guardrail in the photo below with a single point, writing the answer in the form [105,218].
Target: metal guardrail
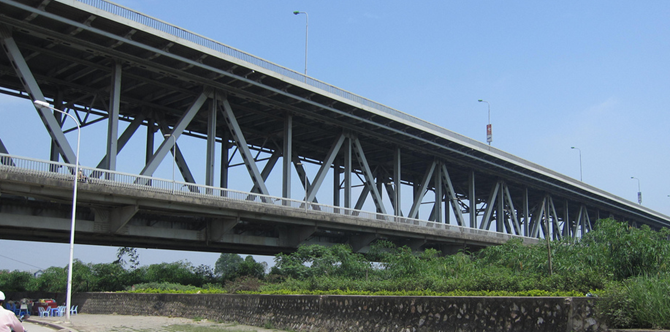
[94,176]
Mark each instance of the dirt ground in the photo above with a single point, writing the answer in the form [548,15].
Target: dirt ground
[120,323]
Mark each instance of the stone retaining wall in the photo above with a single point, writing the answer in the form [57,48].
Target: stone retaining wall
[358,313]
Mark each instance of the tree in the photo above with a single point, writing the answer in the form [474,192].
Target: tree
[180,272]
[227,266]
[82,277]
[317,261]
[205,273]
[53,279]
[251,268]
[109,277]
[16,281]
[133,257]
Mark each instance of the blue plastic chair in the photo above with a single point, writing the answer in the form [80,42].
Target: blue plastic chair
[43,312]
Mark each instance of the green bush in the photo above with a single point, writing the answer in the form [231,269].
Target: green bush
[15,281]
[640,302]
[161,286]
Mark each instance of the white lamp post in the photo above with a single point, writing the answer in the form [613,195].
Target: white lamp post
[306,35]
[489,130]
[580,162]
[68,304]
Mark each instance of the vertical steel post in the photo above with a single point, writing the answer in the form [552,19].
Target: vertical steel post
[223,178]
[211,142]
[472,199]
[347,172]
[113,119]
[288,156]
[397,174]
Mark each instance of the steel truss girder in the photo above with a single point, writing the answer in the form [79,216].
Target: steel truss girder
[451,195]
[555,227]
[241,142]
[325,166]
[486,220]
[583,221]
[500,198]
[512,210]
[269,166]
[177,130]
[174,149]
[545,217]
[537,218]
[369,178]
[421,191]
[33,89]
[302,174]
[125,137]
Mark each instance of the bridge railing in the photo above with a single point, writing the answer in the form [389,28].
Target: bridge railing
[100,177]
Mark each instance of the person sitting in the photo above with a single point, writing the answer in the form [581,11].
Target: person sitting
[81,177]
[8,320]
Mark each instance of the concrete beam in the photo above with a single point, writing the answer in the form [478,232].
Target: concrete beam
[293,236]
[358,242]
[119,217]
[220,227]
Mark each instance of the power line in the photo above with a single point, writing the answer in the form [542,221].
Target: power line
[21,262]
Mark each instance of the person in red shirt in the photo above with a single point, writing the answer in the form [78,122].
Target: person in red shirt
[8,320]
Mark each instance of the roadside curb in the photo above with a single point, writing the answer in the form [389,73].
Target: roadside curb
[58,325]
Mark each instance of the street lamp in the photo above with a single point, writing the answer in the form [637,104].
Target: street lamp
[306,36]
[174,157]
[305,181]
[580,162]
[68,302]
[639,192]
[489,131]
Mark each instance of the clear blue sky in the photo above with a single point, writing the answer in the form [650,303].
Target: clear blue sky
[590,74]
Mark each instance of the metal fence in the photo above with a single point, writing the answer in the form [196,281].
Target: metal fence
[101,177]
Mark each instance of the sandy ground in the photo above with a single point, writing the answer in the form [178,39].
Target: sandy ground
[120,323]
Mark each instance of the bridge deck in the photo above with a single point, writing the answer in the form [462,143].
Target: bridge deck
[124,209]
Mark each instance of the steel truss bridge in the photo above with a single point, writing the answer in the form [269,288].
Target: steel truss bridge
[393,176]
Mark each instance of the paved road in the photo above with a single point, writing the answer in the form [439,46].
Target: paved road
[120,323]
[31,327]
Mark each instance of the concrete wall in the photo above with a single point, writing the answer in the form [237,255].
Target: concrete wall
[358,313]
